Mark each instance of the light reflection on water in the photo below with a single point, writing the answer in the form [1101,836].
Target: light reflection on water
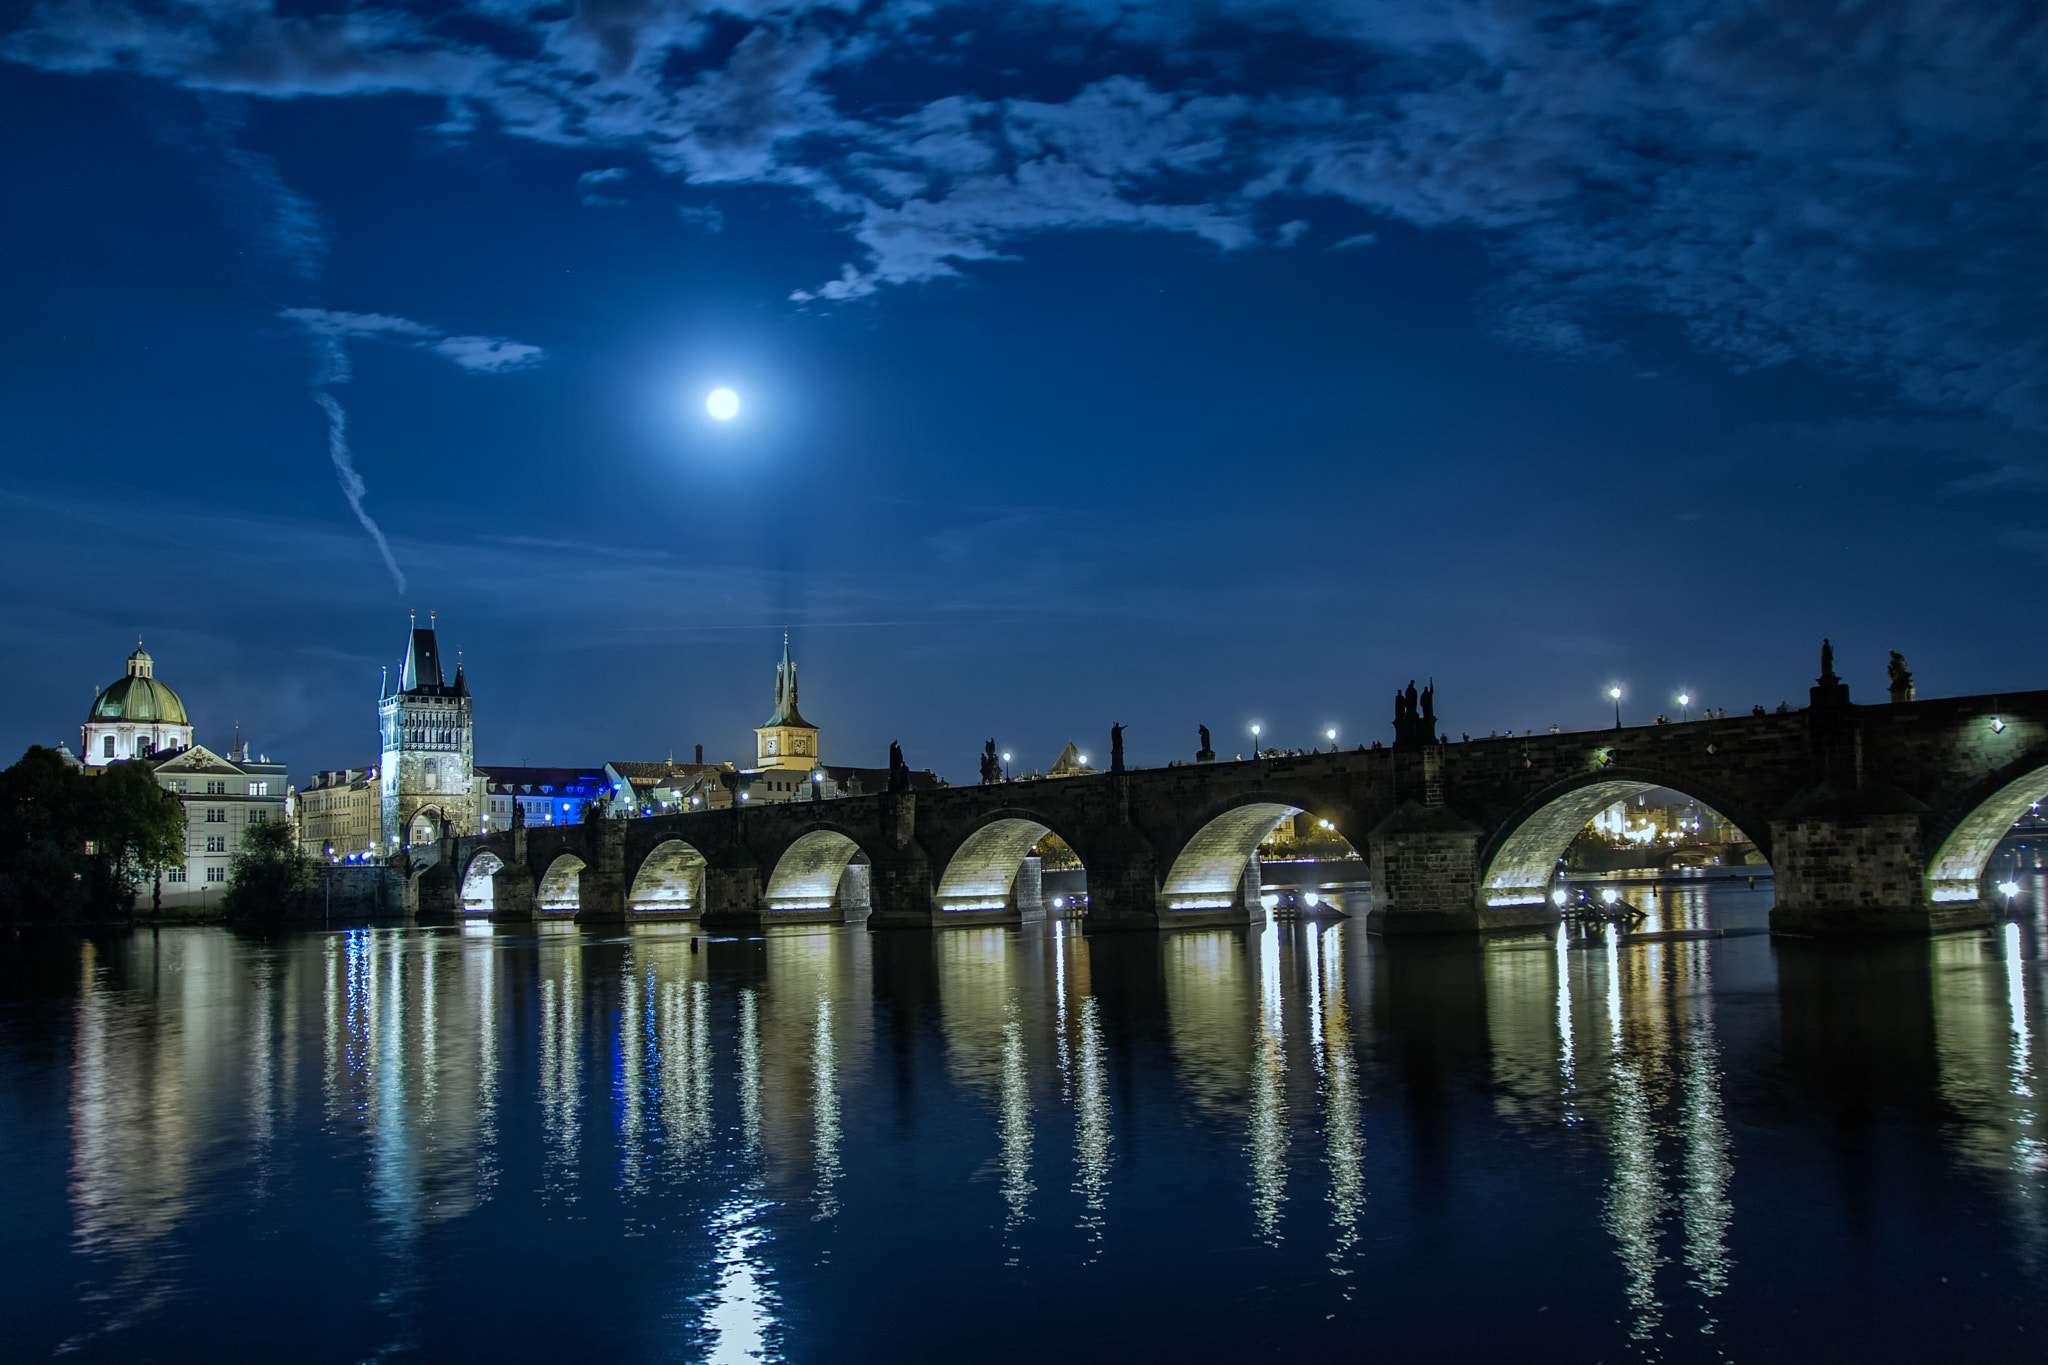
[735,1133]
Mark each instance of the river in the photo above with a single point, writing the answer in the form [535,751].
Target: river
[1293,1142]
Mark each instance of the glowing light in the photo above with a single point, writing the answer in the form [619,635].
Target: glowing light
[2010,889]
[1610,895]
[1557,897]
[1615,693]
[1330,735]
[1059,902]
[1685,699]
[723,404]
[1312,899]
[1270,901]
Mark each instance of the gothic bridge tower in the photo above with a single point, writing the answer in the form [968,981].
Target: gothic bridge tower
[427,778]
[787,740]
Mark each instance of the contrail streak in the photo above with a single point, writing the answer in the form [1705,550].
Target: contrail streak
[352,486]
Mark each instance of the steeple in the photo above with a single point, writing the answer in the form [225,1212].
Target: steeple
[786,712]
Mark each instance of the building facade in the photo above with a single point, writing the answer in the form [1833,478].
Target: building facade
[339,814]
[538,796]
[134,716]
[427,778]
[223,795]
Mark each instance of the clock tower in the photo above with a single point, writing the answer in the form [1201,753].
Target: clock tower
[787,741]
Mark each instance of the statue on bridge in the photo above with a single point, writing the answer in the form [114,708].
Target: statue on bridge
[1902,688]
[1415,716]
[1116,747]
[899,771]
[1828,690]
[991,766]
[1205,754]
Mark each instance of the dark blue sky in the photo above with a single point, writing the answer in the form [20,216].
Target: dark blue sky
[1164,364]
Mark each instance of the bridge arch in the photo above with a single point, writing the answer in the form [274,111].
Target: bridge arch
[479,892]
[981,873]
[1519,861]
[1208,873]
[561,886]
[670,878]
[1987,815]
[809,874]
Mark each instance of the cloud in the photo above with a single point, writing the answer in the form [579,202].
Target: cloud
[326,329]
[483,355]
[591,181]
[1852,185]
[1356,239]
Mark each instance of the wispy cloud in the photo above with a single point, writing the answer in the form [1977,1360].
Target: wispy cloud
[1852,185]
[328,329]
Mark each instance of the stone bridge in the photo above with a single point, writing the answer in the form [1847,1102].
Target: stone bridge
[1874,818]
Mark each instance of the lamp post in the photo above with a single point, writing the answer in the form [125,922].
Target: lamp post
[1006,765]
[1331,735]
[1615,692]
[1685,705]
[1255,741]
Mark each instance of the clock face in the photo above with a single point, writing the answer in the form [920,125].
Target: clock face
[771,746]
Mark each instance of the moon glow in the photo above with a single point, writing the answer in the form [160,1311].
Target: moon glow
[723,404]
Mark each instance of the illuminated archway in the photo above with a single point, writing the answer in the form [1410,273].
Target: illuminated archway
[479,892]
[671,879]
[809,874]
[1210,872]
[562,887]
[982,873]
[1522,868]
[1956,872]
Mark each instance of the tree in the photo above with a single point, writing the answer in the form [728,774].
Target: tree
[137,829]
[72,846]
[42,838]
[268,878]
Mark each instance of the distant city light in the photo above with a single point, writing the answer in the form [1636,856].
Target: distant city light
[723,404]
[2010,889]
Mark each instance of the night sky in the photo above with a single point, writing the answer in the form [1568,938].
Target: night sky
[1165,364]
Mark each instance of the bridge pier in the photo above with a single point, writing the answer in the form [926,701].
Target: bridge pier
[900,891]
[601,886]
[513,894]
[732,890]
[1856,866]
[436,894]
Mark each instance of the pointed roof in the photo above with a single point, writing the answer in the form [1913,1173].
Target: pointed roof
[785,693]
[422,662]
[1069,763]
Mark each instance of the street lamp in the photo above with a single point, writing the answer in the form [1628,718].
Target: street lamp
[1255,741]
[1331,735]
[1615,692]
[1685,705]
[1006,765]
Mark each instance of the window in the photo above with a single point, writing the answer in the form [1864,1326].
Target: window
[216,874]
[216,815]
[217,788]
[259,789]
[257,817]
[179,785]
[216,843]
[174,874]
[107,747]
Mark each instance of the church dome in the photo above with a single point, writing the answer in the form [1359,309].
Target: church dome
[139,697]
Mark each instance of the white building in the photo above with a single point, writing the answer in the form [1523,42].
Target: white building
[222,798]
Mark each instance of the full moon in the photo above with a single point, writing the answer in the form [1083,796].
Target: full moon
[723,404]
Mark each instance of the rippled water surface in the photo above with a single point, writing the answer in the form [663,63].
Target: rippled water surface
[1292,1142]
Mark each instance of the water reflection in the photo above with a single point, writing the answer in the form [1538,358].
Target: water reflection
[721,1129]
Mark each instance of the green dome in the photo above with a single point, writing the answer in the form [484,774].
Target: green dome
[139,697]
